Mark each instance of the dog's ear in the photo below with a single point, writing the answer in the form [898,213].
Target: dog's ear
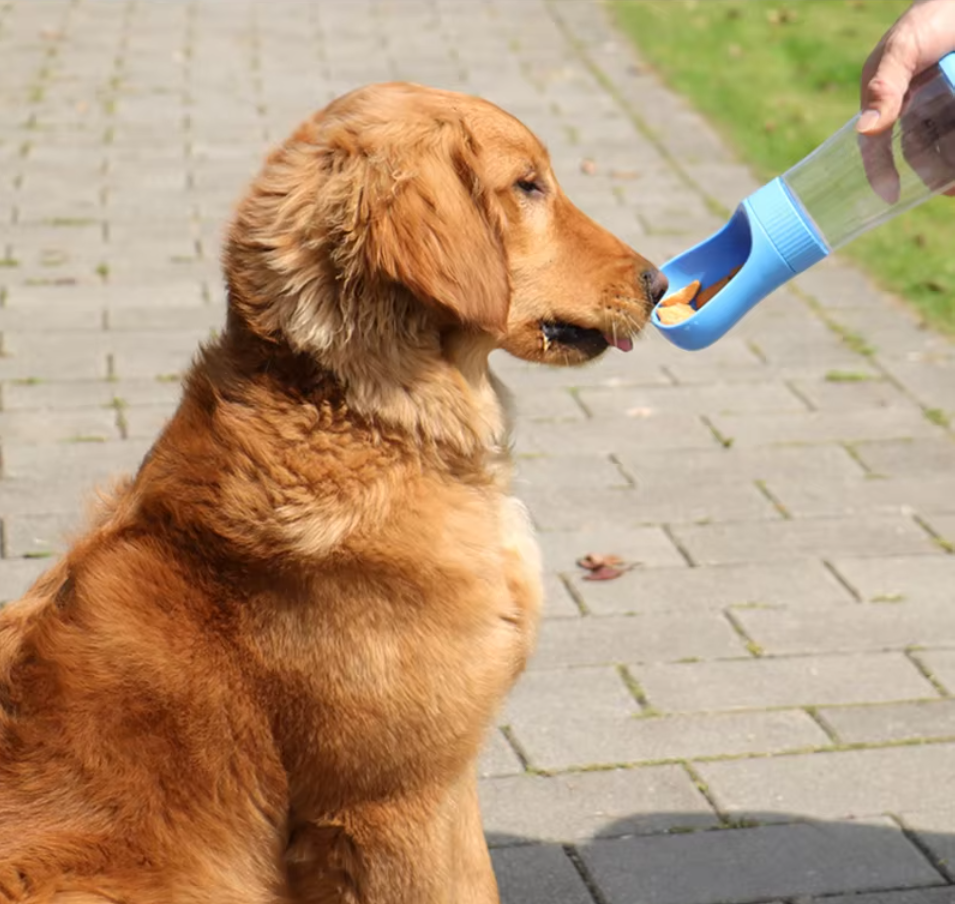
[432,226]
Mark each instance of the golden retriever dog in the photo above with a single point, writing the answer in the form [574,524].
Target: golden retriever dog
[264,673]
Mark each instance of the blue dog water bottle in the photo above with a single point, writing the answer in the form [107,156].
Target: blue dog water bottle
[844,188]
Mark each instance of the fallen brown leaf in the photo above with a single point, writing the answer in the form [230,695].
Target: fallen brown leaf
[605,573]
[594,561]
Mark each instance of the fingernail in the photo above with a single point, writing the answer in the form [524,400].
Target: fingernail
[867,120]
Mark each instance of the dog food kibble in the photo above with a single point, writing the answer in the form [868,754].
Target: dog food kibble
[675,314]
[684,296]
[682,305]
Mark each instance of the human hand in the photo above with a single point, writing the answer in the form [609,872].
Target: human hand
[918,40]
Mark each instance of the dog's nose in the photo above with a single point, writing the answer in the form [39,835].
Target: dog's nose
[655,283]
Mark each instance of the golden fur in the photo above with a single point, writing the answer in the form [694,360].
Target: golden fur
[264,673]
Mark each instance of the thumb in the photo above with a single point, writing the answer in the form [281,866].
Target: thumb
[883,93]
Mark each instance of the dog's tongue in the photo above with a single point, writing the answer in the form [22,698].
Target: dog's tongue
[624,343]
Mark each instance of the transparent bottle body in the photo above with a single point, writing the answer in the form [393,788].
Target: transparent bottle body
[852,183]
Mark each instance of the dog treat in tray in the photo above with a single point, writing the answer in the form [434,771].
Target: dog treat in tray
[684,303]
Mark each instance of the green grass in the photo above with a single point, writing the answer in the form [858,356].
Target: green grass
[776,79]
[848,376]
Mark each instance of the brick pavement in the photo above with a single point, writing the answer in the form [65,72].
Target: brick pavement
[761,711]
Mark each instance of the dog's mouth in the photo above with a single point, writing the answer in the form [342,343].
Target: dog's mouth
[588,341]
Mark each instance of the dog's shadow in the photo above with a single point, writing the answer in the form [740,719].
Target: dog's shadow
[775,857]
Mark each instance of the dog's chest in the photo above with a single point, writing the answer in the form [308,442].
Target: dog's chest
[395,664]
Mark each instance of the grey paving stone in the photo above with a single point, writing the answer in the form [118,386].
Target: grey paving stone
[733,465]
[915,896]
[584,805]
[838,285]
[925,579]
[83,425]
[645,369]
[920,493]
[583,694]
[192,318]
[825,426]
[641,402]
[941,664]
[775,541]
[585,717]
[538,874]
[660,431]
[904,457]
[146,421]
[887,626]
[167,292]
[51,316]
[807,341]
[636,638]
[45,356]
[673,500]
[766,682]
[17,575]
[845,391]
[555,473]
[697,370]
[649,547]
[892,722]
[757,864]
[59,396]
[727,183]
[131,394]
[943,526]
[548,405]
[794,583]
[897,331]
[931,381]
[38,535]
[935,829]
[838,785]
[136,361]
[82,461]
[558,602]
[63,493]
[498,757]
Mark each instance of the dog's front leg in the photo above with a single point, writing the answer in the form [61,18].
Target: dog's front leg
[522,573]
[422,849]
[473,875]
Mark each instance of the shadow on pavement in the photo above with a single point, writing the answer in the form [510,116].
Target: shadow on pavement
[778,857]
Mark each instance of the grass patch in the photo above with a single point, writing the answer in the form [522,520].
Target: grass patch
[85,438]
[70,221]
[778,78]
[848,376]
[937,416]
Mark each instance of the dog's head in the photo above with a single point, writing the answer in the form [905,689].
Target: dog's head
[400,211]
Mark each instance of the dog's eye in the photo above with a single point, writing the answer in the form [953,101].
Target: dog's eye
[529,186]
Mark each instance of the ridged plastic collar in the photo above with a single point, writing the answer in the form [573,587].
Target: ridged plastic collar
[787,226]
